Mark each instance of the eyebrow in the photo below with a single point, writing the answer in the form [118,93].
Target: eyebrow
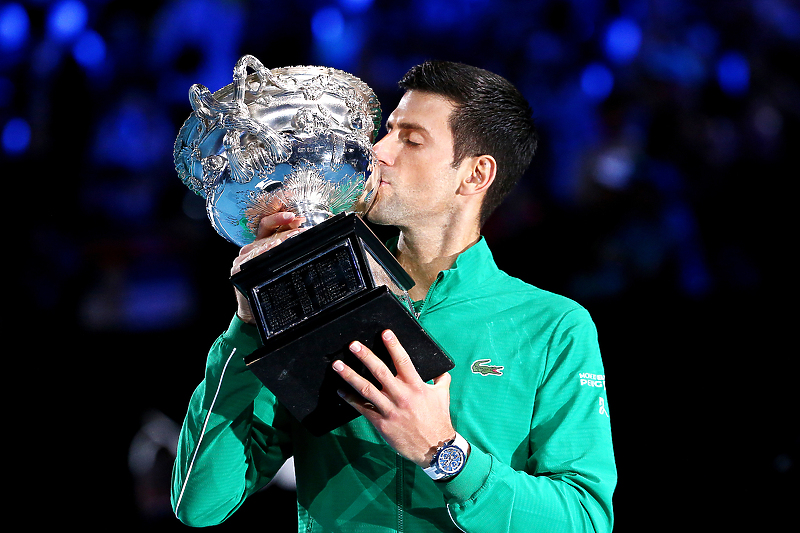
[406,126]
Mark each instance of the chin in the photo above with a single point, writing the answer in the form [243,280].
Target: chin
[379,216]
[375,218]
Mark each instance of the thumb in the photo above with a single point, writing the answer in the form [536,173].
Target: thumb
[443,380]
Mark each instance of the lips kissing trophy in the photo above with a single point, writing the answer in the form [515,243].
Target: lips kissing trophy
[300,139]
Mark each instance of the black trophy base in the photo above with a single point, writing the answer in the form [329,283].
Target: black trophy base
[296,365]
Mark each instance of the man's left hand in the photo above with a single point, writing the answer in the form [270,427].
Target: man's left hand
[410,414]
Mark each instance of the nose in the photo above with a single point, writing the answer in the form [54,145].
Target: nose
[382,151]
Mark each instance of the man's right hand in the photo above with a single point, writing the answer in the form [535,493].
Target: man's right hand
[272,230]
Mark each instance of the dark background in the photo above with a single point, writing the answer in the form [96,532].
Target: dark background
[660,200]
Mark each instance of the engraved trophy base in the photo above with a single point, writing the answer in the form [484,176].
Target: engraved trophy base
[315,294]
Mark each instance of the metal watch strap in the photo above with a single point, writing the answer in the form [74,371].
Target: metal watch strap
[435,472]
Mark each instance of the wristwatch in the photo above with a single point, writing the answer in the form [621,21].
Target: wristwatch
[449,459]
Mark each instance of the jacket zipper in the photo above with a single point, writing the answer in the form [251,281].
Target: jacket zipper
[400,492]
[400,461]
[424,306]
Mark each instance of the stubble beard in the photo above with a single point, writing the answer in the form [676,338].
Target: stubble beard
[382,212]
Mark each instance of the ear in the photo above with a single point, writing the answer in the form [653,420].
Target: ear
[481,173]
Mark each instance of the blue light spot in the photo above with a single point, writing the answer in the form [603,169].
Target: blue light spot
[89,50]
[327,24]
[16,136]
[597,81]
[14,26]
[676,63]
[733,73]
[67,19]
[622,41]
[355,6]
[153,304]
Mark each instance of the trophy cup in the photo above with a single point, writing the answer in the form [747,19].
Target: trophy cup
[300,139]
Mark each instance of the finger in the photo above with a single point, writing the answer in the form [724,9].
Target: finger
[406,370]
[256,248]
[295,223]
[443,380]
[365,389]
[361,405]
[376,367]
[270,223]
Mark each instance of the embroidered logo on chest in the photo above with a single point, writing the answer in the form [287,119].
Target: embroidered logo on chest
[482,367]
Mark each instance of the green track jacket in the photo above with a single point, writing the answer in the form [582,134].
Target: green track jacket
[528,393]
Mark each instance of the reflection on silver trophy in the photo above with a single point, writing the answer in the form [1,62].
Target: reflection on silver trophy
[293,138]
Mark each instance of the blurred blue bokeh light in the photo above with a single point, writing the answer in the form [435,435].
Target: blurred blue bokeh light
[327,24]
[622,40]
[733,73]
[89,50]
[355,6]
[14,27]
[337,39]
[67,19]
[675,62]
[16,136]
[133,136]
[597,81]
[155,303]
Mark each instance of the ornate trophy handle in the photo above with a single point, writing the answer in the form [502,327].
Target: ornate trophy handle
[245,157]
[240,79]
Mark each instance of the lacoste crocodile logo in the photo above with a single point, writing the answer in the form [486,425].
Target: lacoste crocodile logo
[482,367]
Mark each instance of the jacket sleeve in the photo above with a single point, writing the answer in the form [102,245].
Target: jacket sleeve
[570,474]
[231,442]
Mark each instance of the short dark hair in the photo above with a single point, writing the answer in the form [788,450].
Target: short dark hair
[490,117]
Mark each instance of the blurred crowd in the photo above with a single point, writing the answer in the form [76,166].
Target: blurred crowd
[661,185]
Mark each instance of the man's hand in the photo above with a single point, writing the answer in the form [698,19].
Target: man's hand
[272,230]
[411,415]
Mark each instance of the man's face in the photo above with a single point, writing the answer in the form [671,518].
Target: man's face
[417,180]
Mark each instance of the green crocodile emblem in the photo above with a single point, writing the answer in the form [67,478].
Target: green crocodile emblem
[482,367]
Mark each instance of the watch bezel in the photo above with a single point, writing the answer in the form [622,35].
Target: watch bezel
[450,459]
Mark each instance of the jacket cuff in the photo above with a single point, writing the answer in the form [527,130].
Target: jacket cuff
[242,336]
[469,481]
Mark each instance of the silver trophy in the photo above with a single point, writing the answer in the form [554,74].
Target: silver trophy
[296,139]
[300,139]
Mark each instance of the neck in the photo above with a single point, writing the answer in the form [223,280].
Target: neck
[423,253]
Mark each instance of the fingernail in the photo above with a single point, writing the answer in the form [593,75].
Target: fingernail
[388,335]
[287,216]
[355,347]
[338,366]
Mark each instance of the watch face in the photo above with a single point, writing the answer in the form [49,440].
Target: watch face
[450,459]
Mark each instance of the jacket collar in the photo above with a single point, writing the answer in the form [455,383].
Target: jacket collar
[470,270]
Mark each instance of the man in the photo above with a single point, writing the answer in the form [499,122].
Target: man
[515,438]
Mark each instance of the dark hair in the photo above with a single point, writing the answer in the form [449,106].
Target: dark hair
[490,117]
